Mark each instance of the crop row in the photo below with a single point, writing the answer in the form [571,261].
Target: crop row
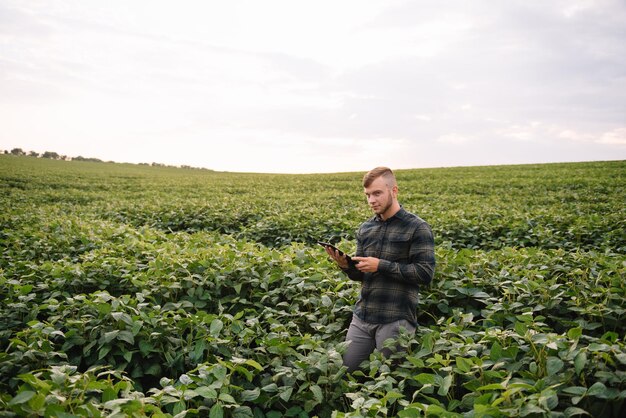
[572,207]
[138,291]
[175,306]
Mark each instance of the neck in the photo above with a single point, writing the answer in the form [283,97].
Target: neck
[391,211]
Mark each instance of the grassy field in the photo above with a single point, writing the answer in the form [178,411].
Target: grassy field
[152,291]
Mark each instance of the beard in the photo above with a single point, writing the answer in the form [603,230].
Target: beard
[383,207]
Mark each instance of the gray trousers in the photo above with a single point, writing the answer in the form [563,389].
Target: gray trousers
[365,337]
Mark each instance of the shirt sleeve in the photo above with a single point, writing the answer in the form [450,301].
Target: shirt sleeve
[421,266]
[352,272]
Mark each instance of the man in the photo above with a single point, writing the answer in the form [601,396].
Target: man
[395,254]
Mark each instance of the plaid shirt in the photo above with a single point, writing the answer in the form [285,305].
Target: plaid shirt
[405,246]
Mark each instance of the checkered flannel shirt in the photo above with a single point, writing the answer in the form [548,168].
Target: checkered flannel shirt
[405,246]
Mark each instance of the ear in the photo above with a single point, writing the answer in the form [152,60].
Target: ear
[394,191]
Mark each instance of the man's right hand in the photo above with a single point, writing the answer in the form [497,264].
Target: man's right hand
[341,260]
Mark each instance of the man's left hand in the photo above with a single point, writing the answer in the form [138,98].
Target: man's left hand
[366,264]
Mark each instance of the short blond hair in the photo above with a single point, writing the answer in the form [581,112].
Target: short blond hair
[374,173]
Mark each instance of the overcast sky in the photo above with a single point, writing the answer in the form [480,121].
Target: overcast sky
[315,86]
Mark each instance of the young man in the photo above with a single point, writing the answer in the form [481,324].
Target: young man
[395,254]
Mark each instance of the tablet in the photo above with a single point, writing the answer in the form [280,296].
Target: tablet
[326,244]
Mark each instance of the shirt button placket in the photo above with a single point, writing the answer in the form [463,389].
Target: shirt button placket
[381,239]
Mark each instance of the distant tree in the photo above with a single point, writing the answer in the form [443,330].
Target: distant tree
[81,158]
[50,154]
[33,154]
[17,151]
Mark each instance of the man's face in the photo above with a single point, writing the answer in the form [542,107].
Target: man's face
[380,196]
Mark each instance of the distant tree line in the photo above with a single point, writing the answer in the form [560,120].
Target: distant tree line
[48,154]
[55,156]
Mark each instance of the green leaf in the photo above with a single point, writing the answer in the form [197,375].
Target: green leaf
[22,397]
[496,351]
[185,379]
[207,392]
[109,394]
[520,328]
[145,347]
[179,407]
[492,386]
[34,382]
[271,388]
[63,414]
[104,351]
[573,411]
[122,317]
[109,336]
[242,412]
[216,411]
[575,390]
[25,289]
[58,375]
[37,402]
[597,389]
[225,397]
[580,361]
[198,351]
[549,399]
[126,336]
[285,393]
[425,378]
[254,364]
[250,395]
[530,409]
[575,333]
[435,410]
[294,411]
[53,410]
[190,394]
[411,412]
[445,387]
[153,370]
[103,308]
[554,365]
[463,364]
[248,375]
[317,393]
[216,327]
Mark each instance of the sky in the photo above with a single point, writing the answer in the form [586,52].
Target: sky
[315,86]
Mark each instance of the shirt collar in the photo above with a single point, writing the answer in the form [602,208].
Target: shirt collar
[398,214]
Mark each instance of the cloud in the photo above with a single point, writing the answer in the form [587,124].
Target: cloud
[413,82]
[614,137]
[455,139]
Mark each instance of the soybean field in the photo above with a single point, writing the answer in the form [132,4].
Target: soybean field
[139,291]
